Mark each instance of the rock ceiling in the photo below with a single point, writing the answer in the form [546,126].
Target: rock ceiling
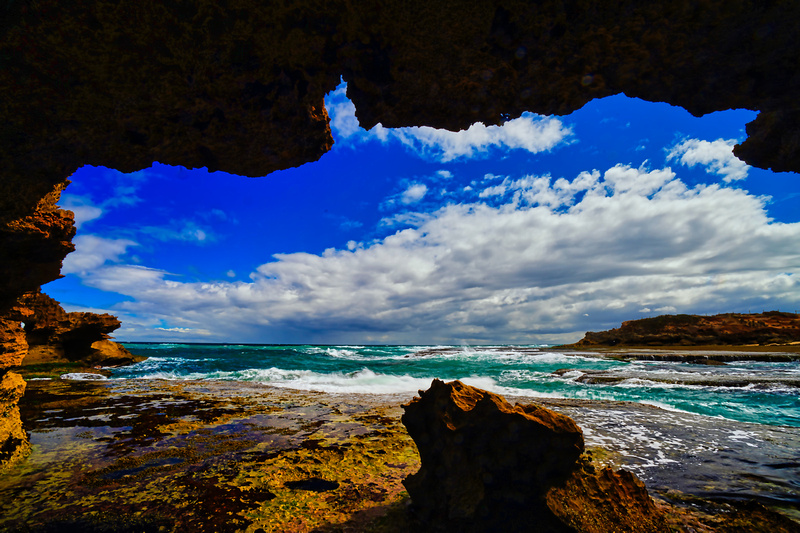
[238,85]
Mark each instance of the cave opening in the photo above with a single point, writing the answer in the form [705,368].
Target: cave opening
[577,212]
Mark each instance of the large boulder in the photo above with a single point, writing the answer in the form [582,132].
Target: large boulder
[490,466]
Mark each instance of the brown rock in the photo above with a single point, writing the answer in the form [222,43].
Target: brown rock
[599,502]
[33,246]
[772,327]
[487,465]
[239,87]
[52,330]
[14,443]
[13,346]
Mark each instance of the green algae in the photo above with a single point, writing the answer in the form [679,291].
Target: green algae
[178,456]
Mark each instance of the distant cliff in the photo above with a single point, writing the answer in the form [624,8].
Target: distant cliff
[773,327]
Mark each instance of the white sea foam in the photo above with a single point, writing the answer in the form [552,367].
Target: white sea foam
[83,376]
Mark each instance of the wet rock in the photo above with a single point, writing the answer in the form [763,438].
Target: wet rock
[491,466]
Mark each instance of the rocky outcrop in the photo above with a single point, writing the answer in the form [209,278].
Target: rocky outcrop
[13,346]
[491,466]
[772,327]
[14,443]
[50,334]
[240,86]
[32,246]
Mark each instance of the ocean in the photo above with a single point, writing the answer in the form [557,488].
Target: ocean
[745,391]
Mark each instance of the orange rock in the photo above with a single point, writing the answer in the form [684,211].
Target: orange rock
[14,443]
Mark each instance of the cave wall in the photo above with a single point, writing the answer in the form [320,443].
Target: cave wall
[238,85]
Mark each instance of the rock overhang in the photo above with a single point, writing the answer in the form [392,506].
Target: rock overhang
[240,86]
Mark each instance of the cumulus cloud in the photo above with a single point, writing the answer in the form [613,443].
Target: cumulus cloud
[414,193]
[92,252]
[530,132]
[538,264]
[717,156]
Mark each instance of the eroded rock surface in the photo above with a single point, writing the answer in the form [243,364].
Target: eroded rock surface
[491,466]
[14,443]
[239,86]
[51,335]
[54,335]
[772,327]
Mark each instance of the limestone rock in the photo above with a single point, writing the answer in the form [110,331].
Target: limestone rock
[608,500]
[33,246]
[485,461]
[70,334]
[14,443]
[13,346]
[490,466]
[772,327]
[240,86]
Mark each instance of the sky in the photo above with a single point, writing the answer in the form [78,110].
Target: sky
[532,232]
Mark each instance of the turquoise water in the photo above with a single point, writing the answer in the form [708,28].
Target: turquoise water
[765,393]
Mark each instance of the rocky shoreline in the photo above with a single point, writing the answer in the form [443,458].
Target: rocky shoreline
[146,455]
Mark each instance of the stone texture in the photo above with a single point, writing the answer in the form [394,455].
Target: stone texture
[772,327]
[14,443]
[13,346]
[53,335]
[487,465]
[32,246]
[608,500]
[239,86]
[490,466]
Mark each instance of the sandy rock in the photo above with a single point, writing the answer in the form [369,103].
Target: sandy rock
[490,466]
[14,443]
[485,461]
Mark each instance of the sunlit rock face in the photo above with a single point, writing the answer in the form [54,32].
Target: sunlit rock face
[491,466]
[53,335]
[772,327]
[14,443]
[31,246]
[239,86]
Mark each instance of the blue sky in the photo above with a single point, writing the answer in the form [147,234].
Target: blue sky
[531,232]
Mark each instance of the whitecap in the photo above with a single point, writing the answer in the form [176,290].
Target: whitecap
[83,376]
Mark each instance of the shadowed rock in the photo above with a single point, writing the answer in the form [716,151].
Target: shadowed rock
[491,466]
[240,87]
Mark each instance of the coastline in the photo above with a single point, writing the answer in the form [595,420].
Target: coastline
[715,352]
[221,455]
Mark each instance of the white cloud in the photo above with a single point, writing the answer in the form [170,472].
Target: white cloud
[531,268]
[716,156]
[414,193]
[92,252]
[530,132]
